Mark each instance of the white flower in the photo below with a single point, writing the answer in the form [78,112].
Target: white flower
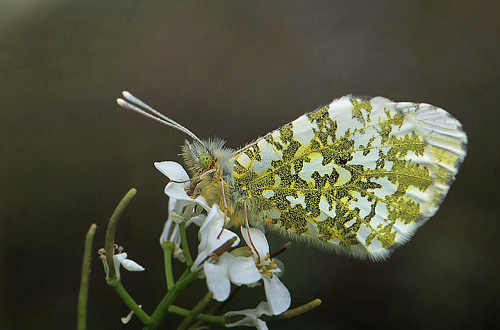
[121,259]
[176,189]
[248,270]
[221,268]
[217,276]
[215,266]
[178,202]
[252,316]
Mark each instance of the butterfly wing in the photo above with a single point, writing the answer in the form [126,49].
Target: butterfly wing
[358,176]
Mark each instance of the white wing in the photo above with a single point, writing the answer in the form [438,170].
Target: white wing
[358,176]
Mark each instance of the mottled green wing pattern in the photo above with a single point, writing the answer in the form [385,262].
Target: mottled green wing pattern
[358,176]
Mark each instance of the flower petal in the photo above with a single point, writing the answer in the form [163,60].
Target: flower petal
[209,222]
[216,217]
[179,254]
[249,322]
[132,266]
[256,238]
[205,229]
[170,233]
[174,171]
[211,229]
[251,319]
[117,260]
[200,259]
[277,294]
[197,220]
[243,271]
[120,259]
[212,236]
[203,202]
[264,308]
[177,191]
[280,271]
[218,278]
[217,237]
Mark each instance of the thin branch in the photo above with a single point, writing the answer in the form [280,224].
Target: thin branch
[184,244]
[202,317]
[168,250]
[110,232]
[84,284]
[293,312]
[141,314]
[200,306]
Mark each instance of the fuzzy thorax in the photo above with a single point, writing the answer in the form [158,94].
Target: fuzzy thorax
[202,158]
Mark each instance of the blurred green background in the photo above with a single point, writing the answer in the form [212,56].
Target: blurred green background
[236,70]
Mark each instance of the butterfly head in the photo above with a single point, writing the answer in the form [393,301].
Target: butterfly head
[204,160]
[201,157]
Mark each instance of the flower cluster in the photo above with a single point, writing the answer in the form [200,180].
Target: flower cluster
[216,260]
[228,257]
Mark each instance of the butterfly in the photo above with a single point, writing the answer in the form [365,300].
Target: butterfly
[357,176]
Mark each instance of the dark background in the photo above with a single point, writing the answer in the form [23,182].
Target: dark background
[236,70]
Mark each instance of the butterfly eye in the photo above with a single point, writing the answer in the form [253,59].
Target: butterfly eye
[204,160]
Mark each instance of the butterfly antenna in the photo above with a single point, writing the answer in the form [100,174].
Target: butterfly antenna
[133,103]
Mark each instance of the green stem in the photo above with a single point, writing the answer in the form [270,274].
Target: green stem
[161,311]
[203,317]
[84,284]
[293,312]
[168,250]
[141,314]
[185,246]
[110,232]
[191,316]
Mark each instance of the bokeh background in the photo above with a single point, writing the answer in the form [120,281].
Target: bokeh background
[236,70]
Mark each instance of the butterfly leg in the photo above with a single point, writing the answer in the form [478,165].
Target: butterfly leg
[225,203]
[195,178]
[247,226]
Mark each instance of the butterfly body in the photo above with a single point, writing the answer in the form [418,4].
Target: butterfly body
[357,176]
[216,174]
